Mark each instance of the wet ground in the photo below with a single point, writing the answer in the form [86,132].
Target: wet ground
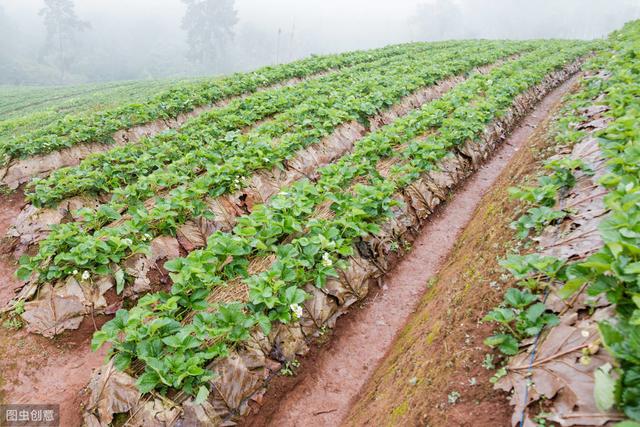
[332,378]
[34,369]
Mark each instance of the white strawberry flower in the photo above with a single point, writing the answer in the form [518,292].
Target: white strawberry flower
[296,309]
[326,260]
[85,275]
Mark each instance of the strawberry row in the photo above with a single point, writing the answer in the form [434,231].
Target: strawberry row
[70,247]
[105,172]
[175,356]
[597,257]
[99,127]
[257,234]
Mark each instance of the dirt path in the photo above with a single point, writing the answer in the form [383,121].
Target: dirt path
[35,369]
[10,206]
[331,379]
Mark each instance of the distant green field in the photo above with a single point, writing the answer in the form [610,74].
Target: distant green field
[24,108]
[37,120]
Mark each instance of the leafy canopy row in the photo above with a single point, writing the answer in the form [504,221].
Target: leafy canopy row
[210,131]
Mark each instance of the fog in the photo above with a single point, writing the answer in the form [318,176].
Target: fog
[79,41]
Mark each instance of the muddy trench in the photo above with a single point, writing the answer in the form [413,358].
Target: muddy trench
[333,375]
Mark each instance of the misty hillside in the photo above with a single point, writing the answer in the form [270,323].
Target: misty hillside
[320,213]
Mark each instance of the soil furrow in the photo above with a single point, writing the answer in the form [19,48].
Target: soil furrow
[332,377]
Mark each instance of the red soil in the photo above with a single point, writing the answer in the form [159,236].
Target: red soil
[10,207]
[35,369]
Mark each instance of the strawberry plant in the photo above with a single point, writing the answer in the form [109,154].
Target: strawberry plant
[521,316]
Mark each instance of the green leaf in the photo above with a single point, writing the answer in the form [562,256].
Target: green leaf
[195,371]
[23,273]
[99,338]
[264,322]
[102,270]
[535,311]
[174,265]
[500,315]
[109,212]
[519,299]
[570,287]
[122,361]
[148,381]
[294,295]
[615,248]
[119,276]
[203,393]
[506,343]
[633,268]
[604,389]
[172,341]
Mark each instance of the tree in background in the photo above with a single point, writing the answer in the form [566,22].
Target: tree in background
[62,26]
[209,25]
